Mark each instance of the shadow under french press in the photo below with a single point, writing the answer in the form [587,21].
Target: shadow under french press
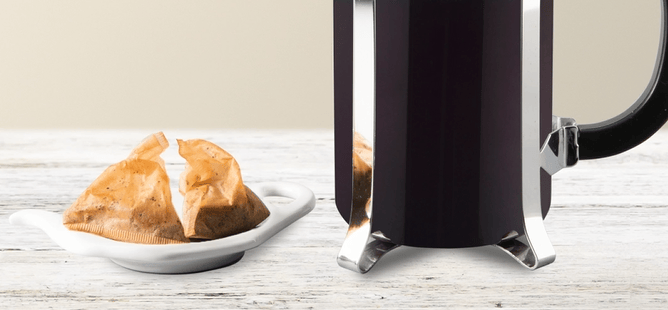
[404,256]
[493,256]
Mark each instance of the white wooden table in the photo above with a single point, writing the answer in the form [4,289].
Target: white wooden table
[608,224]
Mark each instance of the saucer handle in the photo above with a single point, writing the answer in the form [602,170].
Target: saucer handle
[284,215]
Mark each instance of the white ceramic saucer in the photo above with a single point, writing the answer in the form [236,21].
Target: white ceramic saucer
[178,258]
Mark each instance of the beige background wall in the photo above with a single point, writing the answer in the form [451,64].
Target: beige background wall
[260,63]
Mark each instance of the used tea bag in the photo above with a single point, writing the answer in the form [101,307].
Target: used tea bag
[216,202]
[131,200]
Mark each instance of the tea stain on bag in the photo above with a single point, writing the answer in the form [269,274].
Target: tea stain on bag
[130,201]
[216,202]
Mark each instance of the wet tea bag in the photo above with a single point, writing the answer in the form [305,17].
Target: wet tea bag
[130,201]
[216,201]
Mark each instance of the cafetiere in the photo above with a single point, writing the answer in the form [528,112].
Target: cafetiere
[454,100]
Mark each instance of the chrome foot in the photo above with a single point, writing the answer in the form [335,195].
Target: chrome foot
[360,253]
[523,251]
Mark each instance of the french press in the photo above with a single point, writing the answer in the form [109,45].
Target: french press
[455,100]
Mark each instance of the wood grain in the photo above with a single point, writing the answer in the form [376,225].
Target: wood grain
[608,224]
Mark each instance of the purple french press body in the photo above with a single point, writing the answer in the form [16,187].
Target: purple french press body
[460,94]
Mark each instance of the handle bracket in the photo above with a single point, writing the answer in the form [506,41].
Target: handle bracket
[561,149]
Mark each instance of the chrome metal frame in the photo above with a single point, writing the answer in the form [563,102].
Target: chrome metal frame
[534,248]
[362,248]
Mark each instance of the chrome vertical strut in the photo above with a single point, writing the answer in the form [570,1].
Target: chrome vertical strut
[362,248]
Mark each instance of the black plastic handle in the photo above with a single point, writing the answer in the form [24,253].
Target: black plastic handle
[640,121]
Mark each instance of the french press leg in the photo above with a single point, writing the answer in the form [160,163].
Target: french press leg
[560,150]
[362,248]
[533,249]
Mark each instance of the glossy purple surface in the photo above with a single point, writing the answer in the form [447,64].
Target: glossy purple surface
[448,122]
